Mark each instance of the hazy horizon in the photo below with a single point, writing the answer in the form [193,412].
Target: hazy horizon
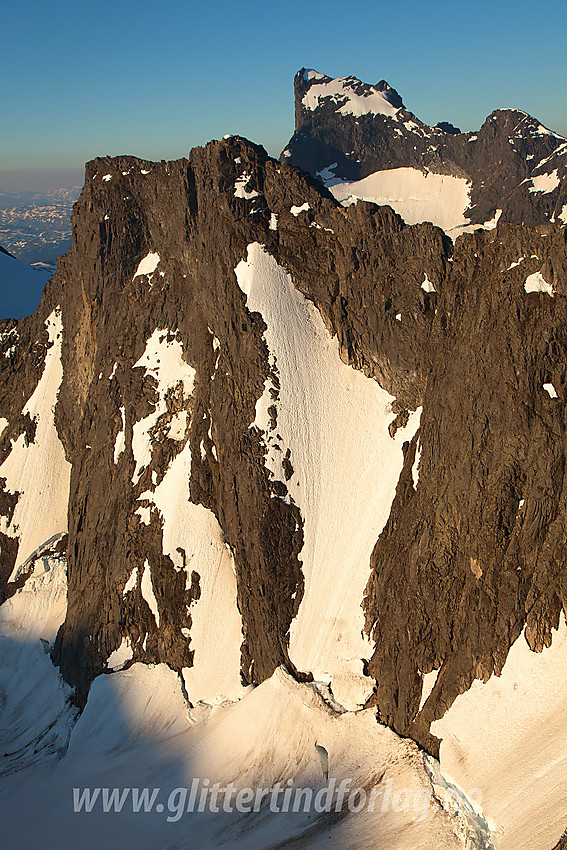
[155,83]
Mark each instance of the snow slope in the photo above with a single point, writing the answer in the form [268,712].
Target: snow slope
[346,467]
[35,714]
[216,628]
[137,732]
[507,737]
[39,471]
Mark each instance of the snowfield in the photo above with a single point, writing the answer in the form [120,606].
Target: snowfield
[416,195]
[335,422]
[508,738]
[137,731]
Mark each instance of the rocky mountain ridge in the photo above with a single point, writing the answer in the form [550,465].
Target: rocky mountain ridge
[261,422]
[347,130]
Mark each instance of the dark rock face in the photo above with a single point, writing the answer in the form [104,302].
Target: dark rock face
[483,531]
[468,557]
[513,163]
[188,214]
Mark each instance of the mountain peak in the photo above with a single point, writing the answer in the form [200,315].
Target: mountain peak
[344,95]
[390,93]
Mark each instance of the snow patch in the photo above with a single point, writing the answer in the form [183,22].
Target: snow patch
[428,684]
[517,263]
[147,588]
[120,441]
[550,390]
[415,466]
[427,285]
[131,583]
[163,359]
[536,283]
[240,190]
[148,265]
[120,656]
[3,425]
[295,210]
[545,183]
[491,223]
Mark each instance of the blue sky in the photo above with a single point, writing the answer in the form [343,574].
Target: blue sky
[155,79]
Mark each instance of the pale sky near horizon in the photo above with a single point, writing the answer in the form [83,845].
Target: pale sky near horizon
[153,81]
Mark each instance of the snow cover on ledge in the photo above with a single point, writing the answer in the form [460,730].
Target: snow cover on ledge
[417,196]
[345,470]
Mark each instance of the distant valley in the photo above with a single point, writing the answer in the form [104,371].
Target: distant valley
[36,226]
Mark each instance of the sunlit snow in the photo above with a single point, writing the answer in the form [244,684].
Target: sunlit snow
[427,285]
[545,182]
[346,467]
[341,93]
[507,737]
[240,190]
[148,265]
[439,198]
[163,360]
[147,588]
[536,283]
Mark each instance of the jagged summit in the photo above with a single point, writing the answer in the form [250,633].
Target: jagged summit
[347,95]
